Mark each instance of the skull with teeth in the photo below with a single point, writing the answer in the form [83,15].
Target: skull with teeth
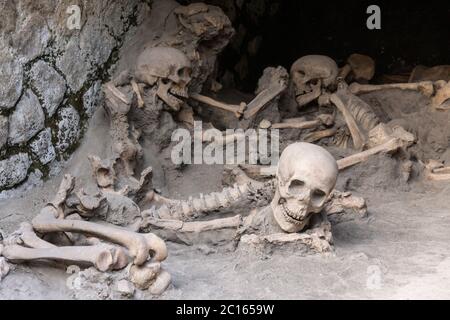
[306,176]
[311,76]
[169,69]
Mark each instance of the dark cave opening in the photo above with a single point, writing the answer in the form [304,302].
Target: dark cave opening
[278,32]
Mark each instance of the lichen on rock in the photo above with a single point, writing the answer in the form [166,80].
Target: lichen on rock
[26,120]
[14,170]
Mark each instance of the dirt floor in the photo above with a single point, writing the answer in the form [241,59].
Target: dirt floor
[399,251]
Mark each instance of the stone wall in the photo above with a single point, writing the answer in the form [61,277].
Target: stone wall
[51,76]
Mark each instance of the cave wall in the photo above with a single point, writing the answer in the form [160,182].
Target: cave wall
[277,32]
[50,77]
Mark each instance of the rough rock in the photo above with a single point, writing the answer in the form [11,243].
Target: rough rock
[26,120]
[84,54]
[41,53]
[49,84]
[42,147]
[14,170]
[68,128]
[10,79]
[93,98]
[3,130]
[32,38]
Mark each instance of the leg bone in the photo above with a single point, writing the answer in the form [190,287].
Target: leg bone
[103,257]
[139,245]
[424,87]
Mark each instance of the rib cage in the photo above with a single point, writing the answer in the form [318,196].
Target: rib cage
[360,110]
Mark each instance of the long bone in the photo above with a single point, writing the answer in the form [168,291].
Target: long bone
[312,124]
[388,146]
[263,98]
[192,227]
[301,123]
[238,110]
[26,236]
[139,245]
[424,87]
[356,133]
[103,257]
[318,135]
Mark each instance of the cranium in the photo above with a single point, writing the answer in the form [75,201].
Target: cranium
[170,69]
[311,75]
[441,100]
[306,176]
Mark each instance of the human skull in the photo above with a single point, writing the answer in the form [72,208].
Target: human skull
[306,176]
[168,68]
[311,75]
[441,100]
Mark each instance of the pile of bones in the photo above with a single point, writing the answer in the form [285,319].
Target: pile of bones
[287,205]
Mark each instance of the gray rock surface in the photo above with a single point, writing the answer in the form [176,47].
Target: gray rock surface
[4,124]
[26,120]
[68,128]
[49,84]
[46,65]
[42,147]
[14,170]
[93,98]
[10,79]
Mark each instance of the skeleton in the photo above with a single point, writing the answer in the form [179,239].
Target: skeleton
[315,78]
[166,68]
[122,247]
[295,203]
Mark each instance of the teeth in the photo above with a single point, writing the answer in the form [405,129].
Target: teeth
[179,92]
[296,217]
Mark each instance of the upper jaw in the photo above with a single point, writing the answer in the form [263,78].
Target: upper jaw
[296,216]
[287,223]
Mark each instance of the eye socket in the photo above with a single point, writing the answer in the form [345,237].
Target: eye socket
[165,81]
[318,197]
[295,187]
[184,72]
